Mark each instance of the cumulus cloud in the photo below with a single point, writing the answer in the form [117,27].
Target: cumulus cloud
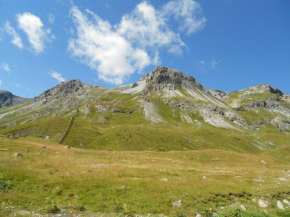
[5,67]
[189,14]
[16,40]
[51,18]
[33,27]
[57,76]
[117,51]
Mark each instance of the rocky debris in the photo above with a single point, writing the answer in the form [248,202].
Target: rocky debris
[263,203]
[117,111]
[67,147]
[280,205]
[286,202]
[281,123]
[3,149]
[151,113]
[121,187]
[268,104]
[17,154]
[165,180]
[212,114]
[198,215]
[221,95]
[46,138]
[176,203]
[243,208]
[44,147]
[263,162]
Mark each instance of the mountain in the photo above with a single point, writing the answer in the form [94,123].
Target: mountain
[164,110]
[8,99]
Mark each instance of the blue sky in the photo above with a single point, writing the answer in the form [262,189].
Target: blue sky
[224,44]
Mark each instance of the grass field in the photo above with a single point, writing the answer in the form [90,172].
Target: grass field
[129,182]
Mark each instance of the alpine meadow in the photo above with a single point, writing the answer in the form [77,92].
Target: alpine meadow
[172,109]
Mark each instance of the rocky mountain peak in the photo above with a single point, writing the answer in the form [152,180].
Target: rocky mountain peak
[64,89]
[163,77]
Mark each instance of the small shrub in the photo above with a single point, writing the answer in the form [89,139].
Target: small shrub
[119,208]
[180,214]
[236,212]
[52,209]
[80,208]
[4,184]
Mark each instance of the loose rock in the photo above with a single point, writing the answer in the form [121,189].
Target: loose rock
[263,203]
[176,203]
[17,155]
[280,205]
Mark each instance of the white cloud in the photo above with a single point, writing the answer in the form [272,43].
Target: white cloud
[51,18]
[33,27]
[0,83]
[5,67]
[16,40]
[57,76]
[188,12]
[206,66]
[18,85]
[118,51]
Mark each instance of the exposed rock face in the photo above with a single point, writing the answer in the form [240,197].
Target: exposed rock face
[63,89]
[8,99]
[166,78]
[218,94]
[262,89]
[281,123]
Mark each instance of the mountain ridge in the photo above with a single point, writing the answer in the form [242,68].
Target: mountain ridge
[164,99]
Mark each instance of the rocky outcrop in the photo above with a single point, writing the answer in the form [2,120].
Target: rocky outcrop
[8,99]
[218,93]
[166,78]
[63,89]
[283,124]
[263,88]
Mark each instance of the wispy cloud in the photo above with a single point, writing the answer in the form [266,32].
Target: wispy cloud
[57,76]
[0,83]
[206,66]
[118,51]
[5,67]
[51,18]
[16,40]
[34,28]
[189,14]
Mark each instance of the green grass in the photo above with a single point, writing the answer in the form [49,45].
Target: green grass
[74,178]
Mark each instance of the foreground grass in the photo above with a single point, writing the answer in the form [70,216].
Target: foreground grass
[205,181]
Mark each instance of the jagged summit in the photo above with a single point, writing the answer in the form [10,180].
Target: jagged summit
[164,77]
[65,88]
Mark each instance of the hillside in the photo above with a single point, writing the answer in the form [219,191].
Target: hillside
[164,110]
